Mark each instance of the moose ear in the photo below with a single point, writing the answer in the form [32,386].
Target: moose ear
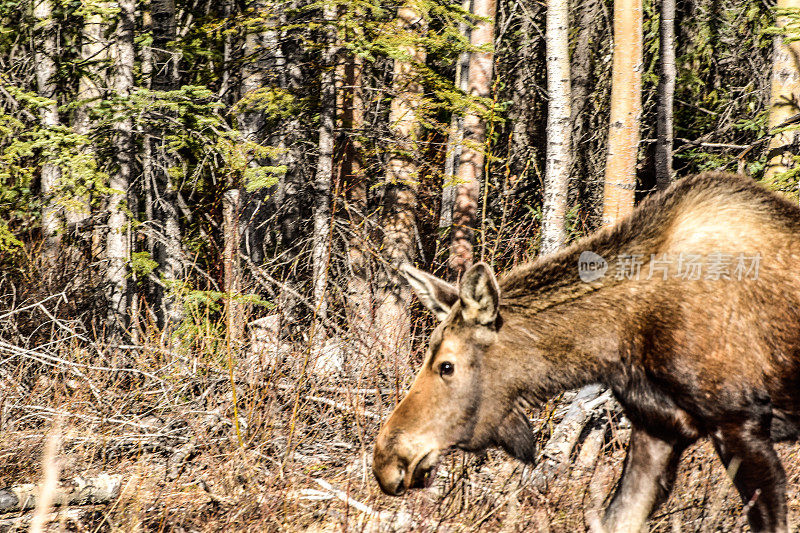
[480,295]
[435,294]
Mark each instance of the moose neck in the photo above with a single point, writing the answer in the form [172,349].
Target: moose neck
[565,333]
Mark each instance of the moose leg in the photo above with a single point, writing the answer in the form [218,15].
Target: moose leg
[647,480]
[747,451]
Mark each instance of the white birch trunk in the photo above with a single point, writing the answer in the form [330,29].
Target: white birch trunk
[784,99]
[626,110]
[322,182]
[44,53]
[559,127]
[117,243]
[94,52]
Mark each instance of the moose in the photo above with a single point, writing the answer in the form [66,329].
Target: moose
[690,314]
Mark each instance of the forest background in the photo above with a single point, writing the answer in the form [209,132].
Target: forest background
[203,208]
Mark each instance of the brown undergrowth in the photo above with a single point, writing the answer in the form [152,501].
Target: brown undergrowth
[162,417]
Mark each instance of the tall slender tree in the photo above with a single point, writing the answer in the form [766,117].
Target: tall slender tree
[626,110]
[165,77]
[254,72]
[473,153]
[666,94]
[232,264]
[117,242]
[261,63]
[354,178]
[589,23]
[398,217]
[45,52]
[785,95]
[94,54]
[290,135]
[455,136]
[521,152]
[320,252]
[559,126]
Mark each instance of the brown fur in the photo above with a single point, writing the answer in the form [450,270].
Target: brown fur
[686,358]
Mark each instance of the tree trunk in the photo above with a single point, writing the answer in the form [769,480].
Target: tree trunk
[784,99]
[473,154]
[455,137]
[165,77]
[666,94]
[559,127]
[290,142]
[262,56]
[398,222]
[165,71]
[556,453]
[94,48]
[359,290]
[117,243]
[626,110]
[522,151]
[232,265]
[589,24]
[251,122]
[320,253]
[45,49]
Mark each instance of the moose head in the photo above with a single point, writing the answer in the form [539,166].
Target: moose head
[463,396]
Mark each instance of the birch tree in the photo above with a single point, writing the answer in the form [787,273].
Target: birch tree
[94,53]
[666,95]
[620,184]
[785,94]
[455,136]
[626,110]
[559,126]
[473,153]
[117,243]
[322,182]
[558,162]
[45,53]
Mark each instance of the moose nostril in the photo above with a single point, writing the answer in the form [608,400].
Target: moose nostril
[401,487]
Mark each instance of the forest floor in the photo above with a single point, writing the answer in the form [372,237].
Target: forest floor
[165,423]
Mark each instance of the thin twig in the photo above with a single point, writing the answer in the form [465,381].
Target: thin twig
[342,407]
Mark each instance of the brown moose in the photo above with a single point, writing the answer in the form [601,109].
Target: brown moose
[689,351]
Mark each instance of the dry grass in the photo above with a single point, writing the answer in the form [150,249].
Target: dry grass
[163,418]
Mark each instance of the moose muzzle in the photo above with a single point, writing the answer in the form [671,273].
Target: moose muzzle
[400,463]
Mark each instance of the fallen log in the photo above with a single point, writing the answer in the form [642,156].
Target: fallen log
[69,516]
[77,491]
[556,453]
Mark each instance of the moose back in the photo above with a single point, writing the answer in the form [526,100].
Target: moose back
[689,310]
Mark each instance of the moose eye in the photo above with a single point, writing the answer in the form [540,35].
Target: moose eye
[446,368]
